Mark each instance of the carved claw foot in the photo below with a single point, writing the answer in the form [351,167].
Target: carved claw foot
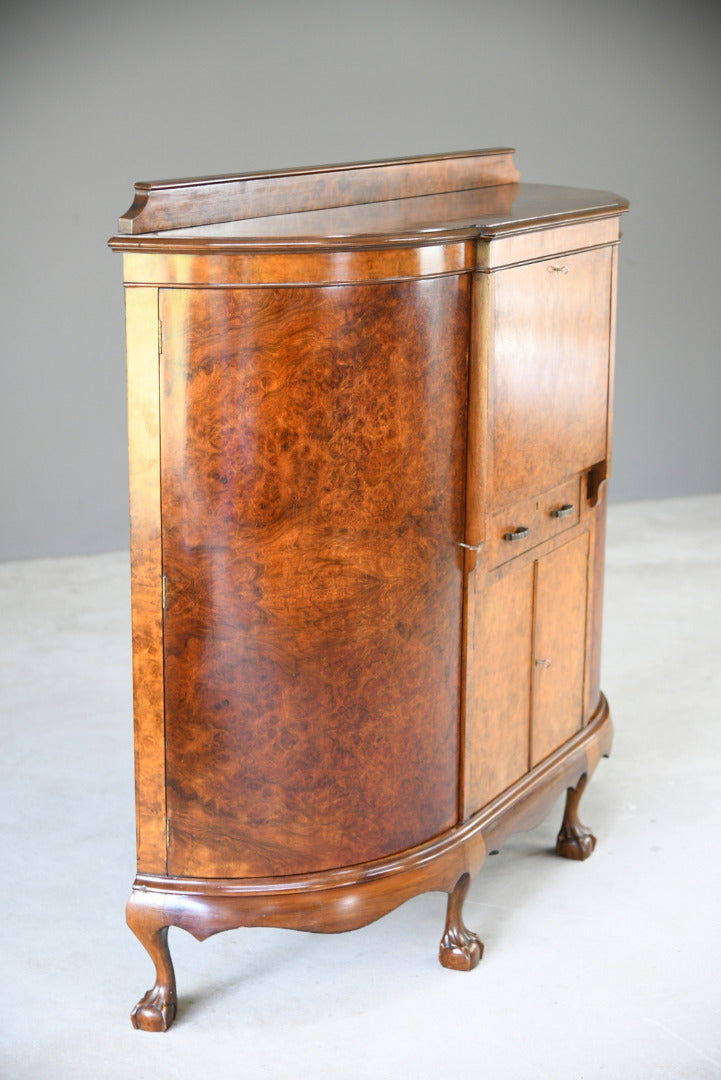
[156,1011]
[574,840]
[460,948]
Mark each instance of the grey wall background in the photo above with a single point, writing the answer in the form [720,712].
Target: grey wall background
[624,96]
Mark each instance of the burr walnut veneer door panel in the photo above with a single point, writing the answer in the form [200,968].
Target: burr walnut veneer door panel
[313,463]
[525,667]
[559,646]
[550,370]
[500,643]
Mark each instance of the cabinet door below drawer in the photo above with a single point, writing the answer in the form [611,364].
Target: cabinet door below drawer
[499,686]
[559,646]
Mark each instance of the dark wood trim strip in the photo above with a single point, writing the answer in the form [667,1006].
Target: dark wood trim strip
[300,245]
[304,284]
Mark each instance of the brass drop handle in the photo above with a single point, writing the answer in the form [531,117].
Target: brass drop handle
[563,511]
[543,663]
[558,269]
[518,534]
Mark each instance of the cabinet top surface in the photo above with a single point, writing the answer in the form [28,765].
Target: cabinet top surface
[457,195]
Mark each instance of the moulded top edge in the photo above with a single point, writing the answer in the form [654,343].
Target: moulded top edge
[485,213]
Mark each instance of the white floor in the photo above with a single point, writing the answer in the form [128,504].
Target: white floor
[609,968]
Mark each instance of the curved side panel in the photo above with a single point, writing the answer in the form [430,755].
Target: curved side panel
[346,899]
[313,469]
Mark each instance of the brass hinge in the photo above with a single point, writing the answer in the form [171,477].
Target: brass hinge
[160,336]
[165,592]
[167,832]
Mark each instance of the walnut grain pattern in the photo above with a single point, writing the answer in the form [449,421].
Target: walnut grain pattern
[313,468]
[548,384]
[559,643]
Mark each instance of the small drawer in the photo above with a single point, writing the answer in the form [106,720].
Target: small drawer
[530,522]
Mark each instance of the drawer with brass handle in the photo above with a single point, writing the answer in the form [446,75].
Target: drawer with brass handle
[530,522]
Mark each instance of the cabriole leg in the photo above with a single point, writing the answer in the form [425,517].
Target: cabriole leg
[460,948]
[574,841]
[156,1010]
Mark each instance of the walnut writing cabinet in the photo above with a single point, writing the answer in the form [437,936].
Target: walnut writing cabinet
[369,444]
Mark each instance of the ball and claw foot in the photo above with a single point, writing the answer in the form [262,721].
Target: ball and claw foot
[574,840]
[156,1011]
[460,948]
